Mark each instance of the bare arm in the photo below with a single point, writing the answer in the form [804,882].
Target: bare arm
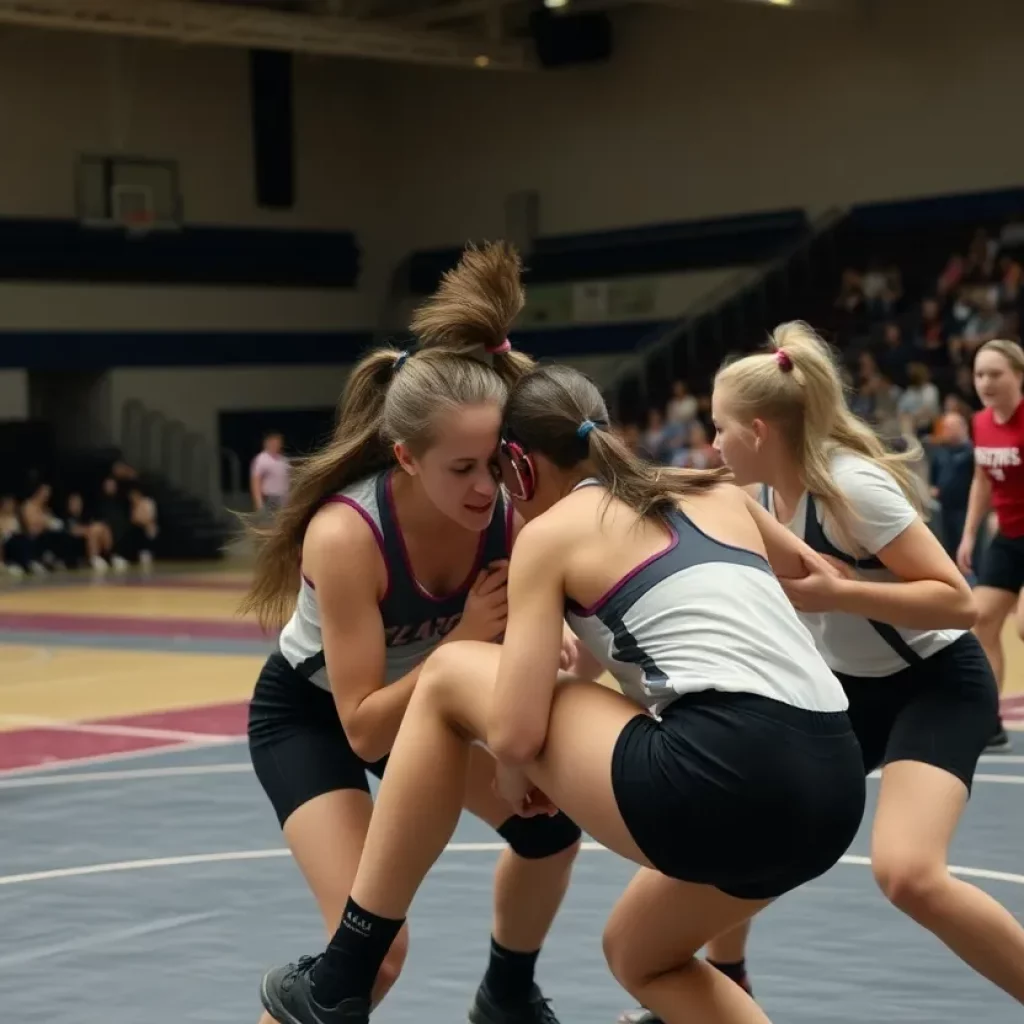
[255,488]
[978,502]
[343,562]
[787,554]
[931,592]
[530,653]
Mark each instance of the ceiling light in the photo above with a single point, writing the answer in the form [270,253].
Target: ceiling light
[482,60]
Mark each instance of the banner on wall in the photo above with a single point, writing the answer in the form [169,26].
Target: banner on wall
[591,302]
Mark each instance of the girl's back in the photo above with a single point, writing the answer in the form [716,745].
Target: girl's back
[685,603]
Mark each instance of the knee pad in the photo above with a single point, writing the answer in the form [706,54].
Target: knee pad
[539,837]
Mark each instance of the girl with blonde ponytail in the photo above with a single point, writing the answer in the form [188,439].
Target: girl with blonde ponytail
[394,541]
[667,579]
[893,628]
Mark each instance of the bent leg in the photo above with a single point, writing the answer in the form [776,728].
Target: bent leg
[530,882]
[651,941]
[919,807]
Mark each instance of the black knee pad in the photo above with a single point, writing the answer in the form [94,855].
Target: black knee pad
[539,837]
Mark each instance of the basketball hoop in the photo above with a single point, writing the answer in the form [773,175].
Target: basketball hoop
[137,223]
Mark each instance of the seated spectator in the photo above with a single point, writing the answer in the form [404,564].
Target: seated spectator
[89,539]
[15,548]
[633,439]
[699,452]
[985,323]
[918,406]
[931,336]
[112,512]
[964,389]
[143,528]
[894,354]
[883,289]
[655,436]
[43,530]
[682,406]
[1011,284]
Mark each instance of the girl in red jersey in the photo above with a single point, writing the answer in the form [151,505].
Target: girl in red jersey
[998,484]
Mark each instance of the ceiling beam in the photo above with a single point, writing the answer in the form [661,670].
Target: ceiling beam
[246,27]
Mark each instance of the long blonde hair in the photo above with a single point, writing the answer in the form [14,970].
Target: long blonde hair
[392,396]
[797,386]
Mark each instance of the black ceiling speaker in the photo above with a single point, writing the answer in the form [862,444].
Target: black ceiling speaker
[566,39]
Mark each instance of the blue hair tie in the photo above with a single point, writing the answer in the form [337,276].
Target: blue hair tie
[584,429]
[402,356]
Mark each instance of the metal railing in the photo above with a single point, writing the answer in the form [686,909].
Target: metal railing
[717,307]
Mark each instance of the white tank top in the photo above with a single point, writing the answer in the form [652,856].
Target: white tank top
[703,615]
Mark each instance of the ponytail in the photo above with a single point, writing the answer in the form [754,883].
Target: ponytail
[797,386]
[356,450]
[474,307]
[650,490]
[558,412]
[462,358]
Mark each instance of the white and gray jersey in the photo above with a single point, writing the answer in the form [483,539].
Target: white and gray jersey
[879,512]
[415,621]
[703,615]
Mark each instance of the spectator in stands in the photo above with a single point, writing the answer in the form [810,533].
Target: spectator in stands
[963,388]
[952,469]
[655,435]
[87,538]
[15,547]
[112,511]
[698,453]
[43,530]
[634,439]
[894,354]
[269,476]
[1011,283]
[682,406]
[918,406]
[985,323]
[142,530]
[931,337]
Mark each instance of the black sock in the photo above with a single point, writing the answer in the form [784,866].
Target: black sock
[509,977]
[737,971]
[350,964]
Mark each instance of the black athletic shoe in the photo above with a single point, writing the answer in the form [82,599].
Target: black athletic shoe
[534,1010]
[287,995]
[1000,742]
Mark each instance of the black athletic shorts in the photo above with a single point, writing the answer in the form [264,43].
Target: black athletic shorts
[299,751]
[1002,565]
[941,711]
[747,794]
[298,746]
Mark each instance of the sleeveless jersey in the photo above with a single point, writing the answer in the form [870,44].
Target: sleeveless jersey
[415,621]
[851,644]
[703,615]
[998,448]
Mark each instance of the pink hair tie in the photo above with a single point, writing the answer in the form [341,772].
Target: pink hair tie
[782,358]
[495,350]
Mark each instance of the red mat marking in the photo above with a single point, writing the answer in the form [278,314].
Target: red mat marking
[21,749]
[129,626]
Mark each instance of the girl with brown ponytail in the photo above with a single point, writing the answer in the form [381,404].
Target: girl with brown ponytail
[893,628]
[730,724]
[394,541]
